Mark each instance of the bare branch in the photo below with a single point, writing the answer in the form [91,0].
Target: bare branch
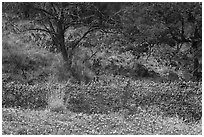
[45,12]
[67,25]
[111,32]
[53,7]
[110,18]
[50,31]
[91,56]
[84,35]
[37,29]
[51,26]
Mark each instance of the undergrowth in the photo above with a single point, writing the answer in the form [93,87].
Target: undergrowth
[119,106]
[30,122]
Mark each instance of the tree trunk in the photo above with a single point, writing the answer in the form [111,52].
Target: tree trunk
[196,73]
[61,41]
[66,52]
[195,62]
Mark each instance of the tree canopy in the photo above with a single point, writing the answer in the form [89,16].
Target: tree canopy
[136,27]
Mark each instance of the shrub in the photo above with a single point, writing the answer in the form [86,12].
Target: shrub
[24,95]
[55,97]
[141,70]
[56,105]
[59,71]
[25,63]
[82,66]
[94,98]
[170,99]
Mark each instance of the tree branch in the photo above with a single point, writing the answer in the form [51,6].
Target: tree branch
[45,12]
[90,56]
[67,25]
[46,27]
[181,40]
[53,7]
[37,29]
[84,35]
[51,26]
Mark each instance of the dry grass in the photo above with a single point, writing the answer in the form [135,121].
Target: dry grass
[29,122]
[154,108]
[55,97]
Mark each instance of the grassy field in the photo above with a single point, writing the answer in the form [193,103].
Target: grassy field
[44,122]
[153,109]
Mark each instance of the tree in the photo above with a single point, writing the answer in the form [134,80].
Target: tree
[184,26]
[177,25]
[56,18]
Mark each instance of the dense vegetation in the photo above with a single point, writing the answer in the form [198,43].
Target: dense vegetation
[101,68]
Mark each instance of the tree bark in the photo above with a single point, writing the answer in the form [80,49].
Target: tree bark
[66,52]
[61,40]
[195,62]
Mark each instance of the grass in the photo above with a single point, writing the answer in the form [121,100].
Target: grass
[55,98]
[151,109]
[44,122]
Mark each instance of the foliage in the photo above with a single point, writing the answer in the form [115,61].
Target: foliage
[110,96]
[168,26]
[59,72]
[25,63]
[177,25]
[55,97]
[112,102]
[143,122]
[123,68]
[55,18]
[24,95]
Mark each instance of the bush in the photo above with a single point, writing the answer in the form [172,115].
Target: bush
[59,71]
[56,105]
[97,97]
[25,63]
[24,95]
[55,97]
[170,99]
